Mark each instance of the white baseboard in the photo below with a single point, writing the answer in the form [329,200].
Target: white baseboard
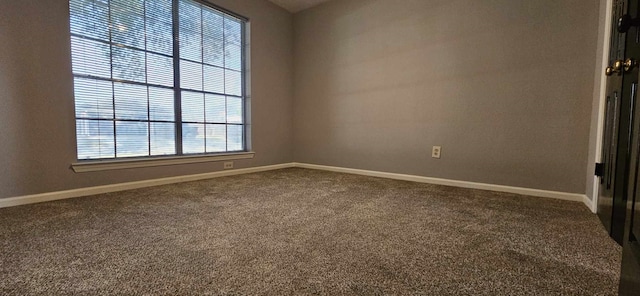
[50,196]
[464,184]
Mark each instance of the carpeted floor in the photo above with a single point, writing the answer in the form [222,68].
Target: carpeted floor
[298,231]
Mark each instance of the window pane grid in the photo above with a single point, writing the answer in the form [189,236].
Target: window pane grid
[211,69]
[123,63]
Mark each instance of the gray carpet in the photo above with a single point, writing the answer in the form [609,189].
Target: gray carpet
[306,232]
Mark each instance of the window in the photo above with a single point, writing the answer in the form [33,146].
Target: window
[156,77]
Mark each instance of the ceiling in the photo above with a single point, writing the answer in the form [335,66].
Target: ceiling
[297,5]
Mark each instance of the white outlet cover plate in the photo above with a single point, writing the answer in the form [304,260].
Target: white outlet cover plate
[436,151]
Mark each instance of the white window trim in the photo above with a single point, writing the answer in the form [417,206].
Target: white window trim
[118,164]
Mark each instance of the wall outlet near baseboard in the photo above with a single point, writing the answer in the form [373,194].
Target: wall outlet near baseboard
[435,151]
[228,165]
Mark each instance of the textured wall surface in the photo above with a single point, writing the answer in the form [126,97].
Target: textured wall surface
[505,87]
[37,127]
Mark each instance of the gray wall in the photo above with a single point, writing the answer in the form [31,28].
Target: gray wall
[37,128]
[505,87]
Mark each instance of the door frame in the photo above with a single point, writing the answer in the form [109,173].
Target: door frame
[600,96]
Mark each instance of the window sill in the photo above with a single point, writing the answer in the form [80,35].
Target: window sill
[106,165]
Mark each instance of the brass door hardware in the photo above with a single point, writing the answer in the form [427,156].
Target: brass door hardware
[619,66]
[615,68]
[629,64]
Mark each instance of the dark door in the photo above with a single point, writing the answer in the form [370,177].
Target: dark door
[625,208]
[630,272]
[622,84]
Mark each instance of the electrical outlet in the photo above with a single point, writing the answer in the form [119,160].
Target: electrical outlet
[435,151]
[228,165]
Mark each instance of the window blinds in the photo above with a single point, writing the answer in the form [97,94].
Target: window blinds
[136,96]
